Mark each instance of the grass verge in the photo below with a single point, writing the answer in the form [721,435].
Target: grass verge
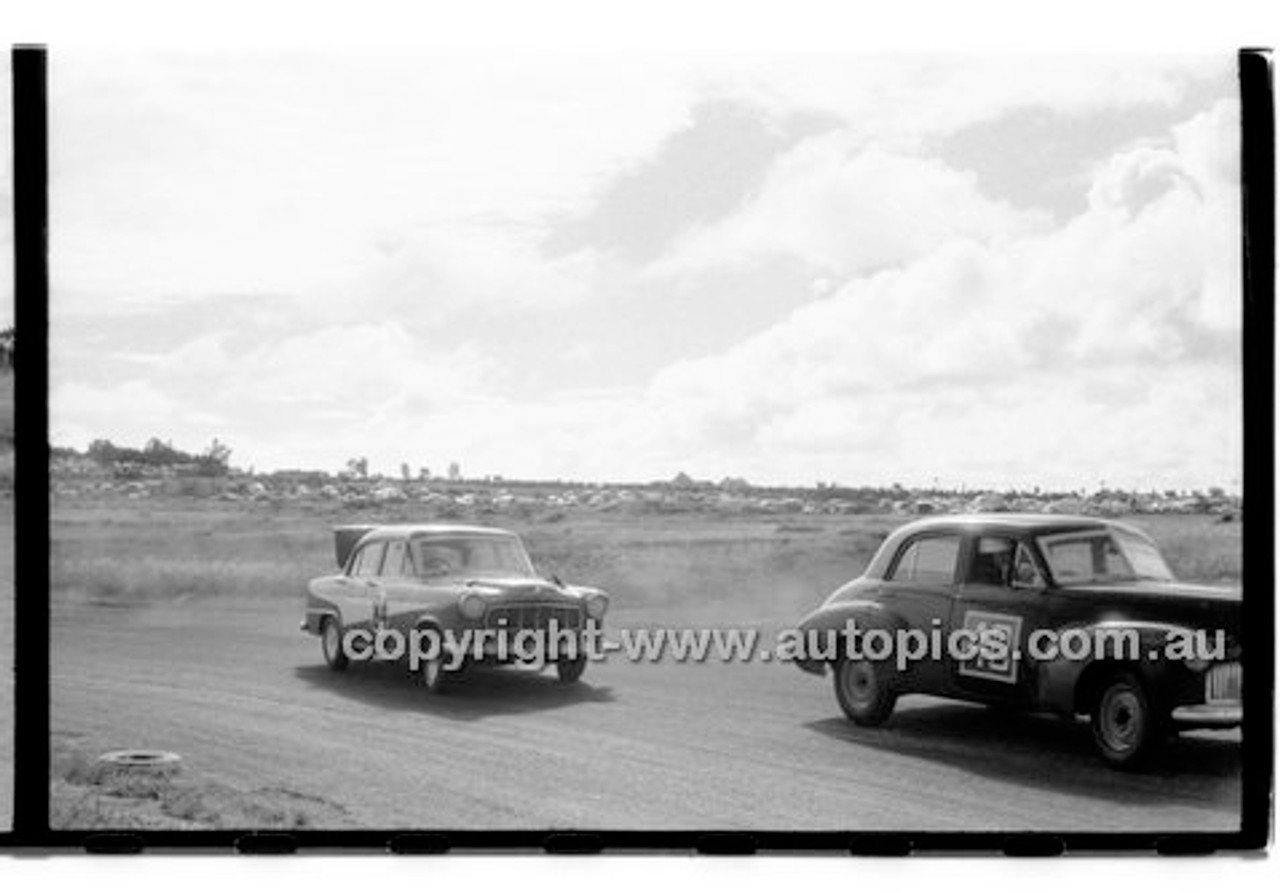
[84,796]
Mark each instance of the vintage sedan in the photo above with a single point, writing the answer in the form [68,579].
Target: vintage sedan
[1027,586]
[450,580]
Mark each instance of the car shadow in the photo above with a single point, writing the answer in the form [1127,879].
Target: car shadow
[1047,752]
[475,693]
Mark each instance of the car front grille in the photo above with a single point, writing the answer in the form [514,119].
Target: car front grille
[533,616]
[1223,682]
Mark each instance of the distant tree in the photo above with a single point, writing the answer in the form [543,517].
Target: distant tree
[424,473]
[359,467]
[455,472]
[102,451]
[215,461]
[404,471]
[162,454]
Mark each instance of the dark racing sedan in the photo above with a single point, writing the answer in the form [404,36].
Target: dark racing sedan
[1072,615]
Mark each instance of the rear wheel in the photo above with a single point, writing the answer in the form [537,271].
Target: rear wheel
[569,671]
[864,691]
[1125,725]
[331,644]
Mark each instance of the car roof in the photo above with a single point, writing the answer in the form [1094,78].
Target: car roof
[1037,523]
[409,530]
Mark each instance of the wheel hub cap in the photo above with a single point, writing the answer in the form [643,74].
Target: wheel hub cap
[857,683]
[1120,720]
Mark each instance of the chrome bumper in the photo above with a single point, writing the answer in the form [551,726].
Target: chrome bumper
[1209,715]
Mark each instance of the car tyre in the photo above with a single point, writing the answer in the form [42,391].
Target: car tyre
[864,691]
[433,675]
[569,671]
[1126,727]
[331,644]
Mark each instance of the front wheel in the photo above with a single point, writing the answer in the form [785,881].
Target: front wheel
[864,692]
[433,675]
[1125,726]
[331,644]
[569,671]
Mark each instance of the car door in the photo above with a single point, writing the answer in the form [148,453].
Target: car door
[396,605]
[1000,593]
[919,587]
[362,591]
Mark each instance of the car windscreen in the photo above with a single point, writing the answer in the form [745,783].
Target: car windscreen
[471,556]
[1091,556]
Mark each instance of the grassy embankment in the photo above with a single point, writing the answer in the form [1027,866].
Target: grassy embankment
[658,568]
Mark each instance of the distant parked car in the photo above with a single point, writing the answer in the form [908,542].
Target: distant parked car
[1012,576]
[445,578]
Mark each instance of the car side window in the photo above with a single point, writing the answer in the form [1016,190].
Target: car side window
[439,559]
[992,561]
[394,564]
[1072,560]
[1003,561]
[368,561]
[930,560]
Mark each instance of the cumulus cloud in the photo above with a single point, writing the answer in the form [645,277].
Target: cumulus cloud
[881,100]
[337,384]
[431,272]
[131,411]
[399,212]
[845,209]
[1040,335]
[178,177]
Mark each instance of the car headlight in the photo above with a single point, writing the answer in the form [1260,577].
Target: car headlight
[471,605]
[596,606]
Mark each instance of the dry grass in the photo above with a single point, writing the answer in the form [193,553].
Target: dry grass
[85,796]
[6,430]
[6,407]
[126,553]
[1199,548]
[129,556]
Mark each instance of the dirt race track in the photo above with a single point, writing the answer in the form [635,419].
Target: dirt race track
[245,698]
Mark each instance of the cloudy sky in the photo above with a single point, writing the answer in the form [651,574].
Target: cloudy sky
[986,270]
